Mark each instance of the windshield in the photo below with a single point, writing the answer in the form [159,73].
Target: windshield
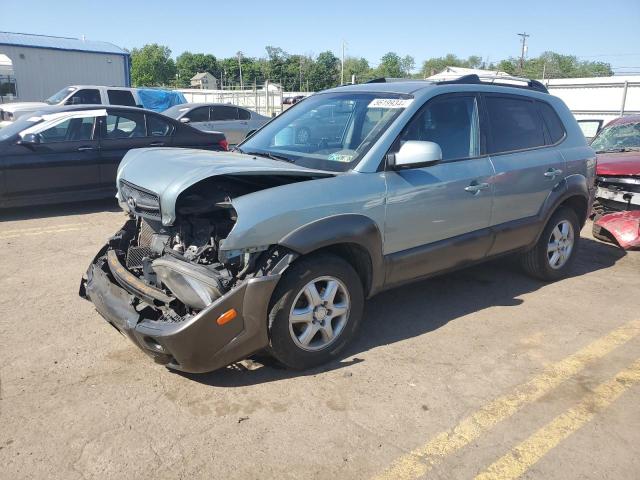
[328,131]
[61,95]
[20,124]
[618,138]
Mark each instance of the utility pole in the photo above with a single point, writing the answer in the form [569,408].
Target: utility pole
[524,37]
[342,69]
[240,65]
[300,72]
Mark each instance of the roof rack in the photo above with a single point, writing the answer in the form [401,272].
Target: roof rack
[498,80]
[390,80]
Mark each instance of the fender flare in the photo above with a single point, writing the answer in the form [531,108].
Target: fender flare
[346,228]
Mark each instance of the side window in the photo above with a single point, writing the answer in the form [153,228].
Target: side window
[158,127]
[243,114]
[554,125]
[125,125]
[451,122]
[200,114]
[515,124]
[70,130]
[121,97]
[224,112]
[85,96]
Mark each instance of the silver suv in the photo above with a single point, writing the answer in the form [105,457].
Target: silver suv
[276,246]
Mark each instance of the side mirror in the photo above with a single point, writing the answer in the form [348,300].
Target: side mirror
[415,154]
[185,120]
[30,139]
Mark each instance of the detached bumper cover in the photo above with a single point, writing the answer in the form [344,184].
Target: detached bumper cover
[623,226]
[197,344]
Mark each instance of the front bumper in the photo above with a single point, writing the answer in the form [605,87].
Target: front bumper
[196,344]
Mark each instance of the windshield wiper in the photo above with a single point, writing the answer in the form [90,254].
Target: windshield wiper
[272,156]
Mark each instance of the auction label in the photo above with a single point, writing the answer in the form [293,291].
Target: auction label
[390,102]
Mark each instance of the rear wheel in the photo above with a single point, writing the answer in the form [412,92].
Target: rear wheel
[554,254]
[315,311]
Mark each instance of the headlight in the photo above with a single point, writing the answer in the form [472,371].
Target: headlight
[225,255]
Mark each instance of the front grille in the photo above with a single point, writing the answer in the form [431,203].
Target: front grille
[135,256]
[146,234]
[140,201]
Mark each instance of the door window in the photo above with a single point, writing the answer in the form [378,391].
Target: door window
[451,122]
[158,127]
[200,114]
[515,124]
[224,112]
[243,114]
[121,97]
[125,125]
[70,130]
[552,122]
[85,96]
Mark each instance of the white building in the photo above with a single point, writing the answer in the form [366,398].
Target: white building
[42,65]
[204,81]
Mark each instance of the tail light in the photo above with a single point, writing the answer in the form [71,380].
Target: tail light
[224,144]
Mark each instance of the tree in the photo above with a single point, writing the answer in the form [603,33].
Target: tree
[324,72]
[407,64]
[152,65]
[435,65]
[390,65]
[358,67]
[555,65]
[188,64]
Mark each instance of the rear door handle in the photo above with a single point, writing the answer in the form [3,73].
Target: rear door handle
[476,187]
[553,173]
[156,144]
[85,149]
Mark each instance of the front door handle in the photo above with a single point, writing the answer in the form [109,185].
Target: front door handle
[156,144]
[476,187]
[553,173]
[85,149]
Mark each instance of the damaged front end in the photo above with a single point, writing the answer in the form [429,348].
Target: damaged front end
[173,291]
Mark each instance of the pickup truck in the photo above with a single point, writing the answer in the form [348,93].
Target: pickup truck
[150,98]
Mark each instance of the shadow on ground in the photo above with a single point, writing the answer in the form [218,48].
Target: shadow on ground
[59,210]
[421,307]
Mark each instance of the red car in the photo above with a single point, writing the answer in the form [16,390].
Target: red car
[617,205]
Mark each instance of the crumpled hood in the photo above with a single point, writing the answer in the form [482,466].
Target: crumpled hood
[622,163]
[170,171]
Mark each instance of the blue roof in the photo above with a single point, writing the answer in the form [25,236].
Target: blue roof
[59,43]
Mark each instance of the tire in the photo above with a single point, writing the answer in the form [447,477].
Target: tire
[538,261]
[293,311]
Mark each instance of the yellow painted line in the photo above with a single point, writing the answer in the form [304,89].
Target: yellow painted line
[41,232]
[525,455]
[420,460]
[48,227]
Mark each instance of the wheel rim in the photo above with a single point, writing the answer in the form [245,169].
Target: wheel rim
[560,244]
[303,135]
[319,313]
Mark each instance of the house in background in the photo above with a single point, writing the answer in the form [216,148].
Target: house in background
[204,81]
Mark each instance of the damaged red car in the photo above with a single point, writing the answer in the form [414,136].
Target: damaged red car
[617,206]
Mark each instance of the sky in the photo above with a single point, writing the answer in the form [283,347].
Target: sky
[593,30]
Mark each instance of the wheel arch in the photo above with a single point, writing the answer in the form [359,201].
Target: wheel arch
[354,238]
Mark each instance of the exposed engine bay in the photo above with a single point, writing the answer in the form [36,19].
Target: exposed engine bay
[180,265]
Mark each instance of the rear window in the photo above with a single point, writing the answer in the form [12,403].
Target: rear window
[554,125]
[121,97]
[515,124]
[243,114]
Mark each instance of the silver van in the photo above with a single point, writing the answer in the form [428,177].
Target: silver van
[275,246]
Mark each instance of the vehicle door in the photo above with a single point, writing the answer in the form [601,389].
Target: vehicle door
[123,130]
[224,118]
[198,118]
[438,215]
[85,96]
[62,159]
[526,169]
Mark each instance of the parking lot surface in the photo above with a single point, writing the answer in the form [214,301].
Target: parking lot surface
[484,372]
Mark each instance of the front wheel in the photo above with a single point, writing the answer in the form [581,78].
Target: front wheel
[315,311]
[555,252]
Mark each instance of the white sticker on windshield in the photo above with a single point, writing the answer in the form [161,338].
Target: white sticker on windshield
[390,102]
